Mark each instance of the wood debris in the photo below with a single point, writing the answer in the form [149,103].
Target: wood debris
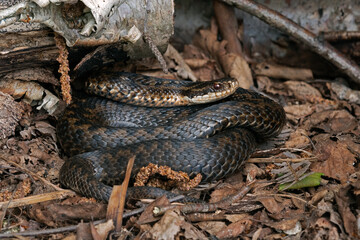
[179,180]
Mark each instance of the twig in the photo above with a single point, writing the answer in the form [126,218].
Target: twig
[280,160]
[151,43]
[287,196]
[201,217]
[73,227]
[311,40]
[340,36]
[279,150]
[20,202]
[206,207]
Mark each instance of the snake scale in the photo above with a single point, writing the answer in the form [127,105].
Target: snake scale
[209,128]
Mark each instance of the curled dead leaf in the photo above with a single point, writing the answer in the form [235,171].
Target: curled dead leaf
[303,91]
[30,92]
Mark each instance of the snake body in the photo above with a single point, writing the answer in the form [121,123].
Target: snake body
[213,139]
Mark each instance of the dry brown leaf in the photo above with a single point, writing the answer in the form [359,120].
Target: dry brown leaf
[324,223]
[303,90]
[169,225]
[351,141]
[236,217]
[52,213]
[236,67]
[103,229]
[46,129]
[182,69]
[331,155]
[235,229]
[204,68]
[30,91]
[325,229]
[22,190]
[298,139]
[83,231]
[261,233]
[253,170]
[71,236]
[225,191]
[270,204]
[319,195]
[196,63]
[349,219]
[296,112]
[212,227]
[95,235]
[266,85]
[191,232]
[332,121]
[284,225]
[324,208]
[193,52]
[233,64]
[148,216]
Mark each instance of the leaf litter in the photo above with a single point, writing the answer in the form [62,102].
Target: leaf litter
[323,125]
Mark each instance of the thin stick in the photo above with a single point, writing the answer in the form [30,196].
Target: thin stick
[287,196]
[207,207]
[73,227]
[341,36]
[284,24]
[282,150]
[20,202]
[151,43]
[279,160]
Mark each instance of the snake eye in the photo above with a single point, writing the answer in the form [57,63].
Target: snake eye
[217,86]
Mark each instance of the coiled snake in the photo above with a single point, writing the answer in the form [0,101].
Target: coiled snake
[213,139]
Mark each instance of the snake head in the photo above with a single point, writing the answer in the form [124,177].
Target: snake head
[211,91]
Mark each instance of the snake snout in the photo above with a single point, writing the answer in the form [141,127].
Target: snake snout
[211,91]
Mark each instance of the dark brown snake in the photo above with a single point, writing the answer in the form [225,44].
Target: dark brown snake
[213,139]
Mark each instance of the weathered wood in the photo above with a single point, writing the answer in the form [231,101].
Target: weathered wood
[124,24]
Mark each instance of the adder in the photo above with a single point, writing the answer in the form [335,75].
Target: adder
[203,127]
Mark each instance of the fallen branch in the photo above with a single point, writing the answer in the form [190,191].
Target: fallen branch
[291,28]
[280,160]
[274,151]
[341,36]
[206,207]
[20,202]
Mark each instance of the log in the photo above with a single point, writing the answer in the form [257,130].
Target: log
[83,24]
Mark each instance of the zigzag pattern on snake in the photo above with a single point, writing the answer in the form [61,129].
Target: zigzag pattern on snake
[213,139]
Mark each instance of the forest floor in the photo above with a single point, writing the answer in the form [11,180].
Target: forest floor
[320,143]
